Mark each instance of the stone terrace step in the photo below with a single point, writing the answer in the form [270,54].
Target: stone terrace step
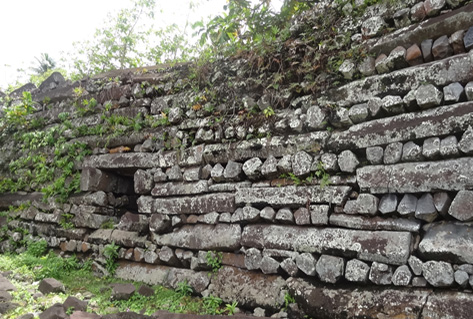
[440,121]
[449,175]
[433,28]
[458,68]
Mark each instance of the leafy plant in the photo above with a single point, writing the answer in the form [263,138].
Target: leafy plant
[268,112]
[111,253]
[288,299]
[230,308]
[183,288]
[66,221]
[211,305]
[322,175]
[37,248]
[214,260]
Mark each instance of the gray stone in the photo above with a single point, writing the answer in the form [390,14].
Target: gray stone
[347,161]
[180,188]
[259,312]
[384,246]
[397,58]
[454,3]
[393,153]
[469,91]
[402,276]
[225,218]
[340,118]
[247,288]
[252,168]
[232,171]
[375,106]
[302,216]
[122,291]
[433,7]
[374,155]
[319,214]
[160,223]
[461,278]
[359,113]
[75,303]
[6,285]
[461,206]
[456,41]
[306,263]
[291,195]
[357,271]
[133,222]
[410,100]
[466,268]
[253,259]
[407,206]
[203,237]
[56,311]
[329,162]
[416,265]
[418,12]
[401,18]
[316,118]
[284,215]
[381,64]
[438,273]
[449,146]
[249,214]
[269,265]
[210,218]
[426,47]
[51,285]
[192,174]
[411,152]
[468,39]
[388,204]
[373,26]
[290,267]
[453,92]
[441,48]
[268,213]
[466,143]
[167,255]
[425,209]
[367,204]
[374,223]
[269,168]
[174,173]
[393,104]
[159,176]
[206,172]
[442,201]
[217,173]
[367,66]
[448,175]
[419,282]
[330,268]
[5,296]
[438,121]
[431,148]
[151,257]
[347,69]
[380,274]
[301,163]
[428,96]
[175,115]
[440,244]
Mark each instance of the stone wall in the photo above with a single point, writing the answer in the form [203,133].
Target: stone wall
[354,200]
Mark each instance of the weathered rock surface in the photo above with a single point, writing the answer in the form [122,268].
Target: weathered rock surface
[449,175]
[448,241]
[291,195]
[223,202]
[381,246]
[249,289]
[203,237]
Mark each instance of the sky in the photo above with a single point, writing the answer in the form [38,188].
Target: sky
[31,27]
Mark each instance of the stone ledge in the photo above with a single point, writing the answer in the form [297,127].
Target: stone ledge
[431,29]
[292,195]
[449,241]
[440,121]
[381,246]
[458,68]
[448,175]
[217,202]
